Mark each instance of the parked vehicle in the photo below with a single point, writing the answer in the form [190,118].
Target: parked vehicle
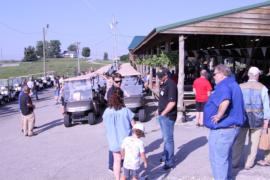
[132,85]
[15,86]
[81,102]
[4,91]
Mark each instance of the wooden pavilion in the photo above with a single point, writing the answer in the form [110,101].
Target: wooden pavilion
[242,34]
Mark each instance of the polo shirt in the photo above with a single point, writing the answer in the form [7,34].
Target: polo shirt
[227,89]
[202,87]
[24,100]
[168,93]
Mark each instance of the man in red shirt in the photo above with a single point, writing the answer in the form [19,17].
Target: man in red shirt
[202,89]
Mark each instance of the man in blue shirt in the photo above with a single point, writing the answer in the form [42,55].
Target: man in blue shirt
[223,115]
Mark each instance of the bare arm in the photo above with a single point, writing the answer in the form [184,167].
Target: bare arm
[168,108]
[194,90]
[221,111]
[144,159]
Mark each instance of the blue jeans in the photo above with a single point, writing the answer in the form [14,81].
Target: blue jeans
[110,160]
[220,152]
[167,129]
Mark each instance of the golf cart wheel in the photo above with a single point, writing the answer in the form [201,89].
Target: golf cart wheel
[96,108]
[67,120]
[141,115]
[91,118]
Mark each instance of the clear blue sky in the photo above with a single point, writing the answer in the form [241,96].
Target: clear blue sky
[87,21]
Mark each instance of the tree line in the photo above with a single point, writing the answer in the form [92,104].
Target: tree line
[52,50]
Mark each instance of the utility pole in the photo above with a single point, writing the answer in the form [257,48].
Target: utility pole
[78,58]
[44,49]
[114,31]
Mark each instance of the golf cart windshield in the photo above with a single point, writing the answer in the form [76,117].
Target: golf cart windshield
[132,85]
[3,82]
[78,90]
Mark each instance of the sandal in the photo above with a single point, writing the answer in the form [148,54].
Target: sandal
[263,163]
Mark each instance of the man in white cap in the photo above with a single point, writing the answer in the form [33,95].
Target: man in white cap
[256,102]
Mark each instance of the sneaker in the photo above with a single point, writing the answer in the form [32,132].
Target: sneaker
[110,170]
[166,167]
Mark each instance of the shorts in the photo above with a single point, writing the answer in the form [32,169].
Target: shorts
[200,106]
[130,173]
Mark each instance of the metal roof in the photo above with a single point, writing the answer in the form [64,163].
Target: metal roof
[135,42]
[161,29]
[203,18]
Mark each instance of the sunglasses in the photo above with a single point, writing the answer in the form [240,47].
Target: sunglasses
[118,81]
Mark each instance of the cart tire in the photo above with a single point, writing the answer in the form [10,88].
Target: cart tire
[91,118]
[141,115]
[67,120]
[96,108]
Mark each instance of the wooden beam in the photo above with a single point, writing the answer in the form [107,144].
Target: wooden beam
[180,85]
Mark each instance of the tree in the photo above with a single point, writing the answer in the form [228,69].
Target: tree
[72,47]
[30,54]
[86,52]
[54,48]
[39,48]
[124,57]
[105,56]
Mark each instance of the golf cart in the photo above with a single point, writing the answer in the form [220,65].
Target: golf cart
[15,84]
[132,86]
[7,94]
[81,102]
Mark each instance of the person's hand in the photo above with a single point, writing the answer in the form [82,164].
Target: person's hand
[215,118]
[145,165]
[156,113]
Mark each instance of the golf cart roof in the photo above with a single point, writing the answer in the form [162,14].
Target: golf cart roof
[127,70]
[102,70]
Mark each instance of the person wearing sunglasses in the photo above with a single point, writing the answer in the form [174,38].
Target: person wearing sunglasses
[223,115]
[116,86]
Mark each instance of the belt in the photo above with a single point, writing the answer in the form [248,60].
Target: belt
[254,110]
[230,127]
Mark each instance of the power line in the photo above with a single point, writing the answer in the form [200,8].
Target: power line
[17,30]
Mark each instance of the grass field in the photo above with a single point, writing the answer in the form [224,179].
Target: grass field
[63,66]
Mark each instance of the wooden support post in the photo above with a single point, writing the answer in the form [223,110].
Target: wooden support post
[180,85]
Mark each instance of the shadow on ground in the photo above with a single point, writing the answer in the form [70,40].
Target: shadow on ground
[155,170]
[48,126]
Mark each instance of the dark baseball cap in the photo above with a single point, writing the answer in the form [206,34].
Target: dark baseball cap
[162,72]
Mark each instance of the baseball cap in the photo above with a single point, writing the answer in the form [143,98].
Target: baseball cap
[254,71]
[139,126]
[162,72]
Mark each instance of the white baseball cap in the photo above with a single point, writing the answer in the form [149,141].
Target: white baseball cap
[139,126]
[254,71]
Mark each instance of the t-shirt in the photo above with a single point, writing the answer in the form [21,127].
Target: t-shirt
[24,100]
[202,86]
[168,93]
[118,126]
[30,84]
[111,91]
[133,147]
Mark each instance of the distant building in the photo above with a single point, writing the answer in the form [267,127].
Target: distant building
[70,54]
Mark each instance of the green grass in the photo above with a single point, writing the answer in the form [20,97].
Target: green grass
[63,66]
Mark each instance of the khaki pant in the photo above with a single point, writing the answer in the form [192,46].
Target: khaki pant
[267,152]
[253,144]
[28,124]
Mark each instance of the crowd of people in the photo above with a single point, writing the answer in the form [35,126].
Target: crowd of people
[231,112]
